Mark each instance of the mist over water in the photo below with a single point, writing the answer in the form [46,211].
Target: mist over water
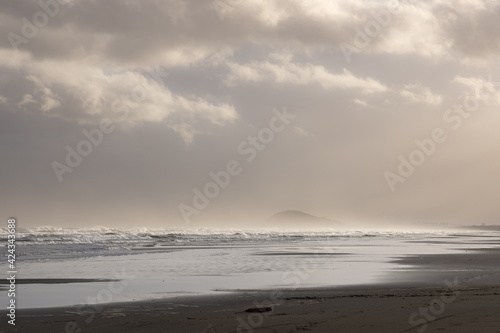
[81,242]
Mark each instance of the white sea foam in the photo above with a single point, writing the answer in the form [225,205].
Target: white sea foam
[43,243]
[104,234]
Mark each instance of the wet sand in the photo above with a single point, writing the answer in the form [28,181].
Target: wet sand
[54,281]
[450,293]
[382,309]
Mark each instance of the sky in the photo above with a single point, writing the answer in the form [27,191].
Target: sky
[195,113]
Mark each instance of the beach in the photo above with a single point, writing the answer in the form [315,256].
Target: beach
[361,309]
[250,166]
[455,290]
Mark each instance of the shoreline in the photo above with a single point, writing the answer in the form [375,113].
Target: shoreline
[55,281]
[378,308]
[461,298]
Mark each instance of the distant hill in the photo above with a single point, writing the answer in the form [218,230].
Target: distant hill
[298,219]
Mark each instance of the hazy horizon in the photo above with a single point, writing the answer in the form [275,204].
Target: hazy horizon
[191,114]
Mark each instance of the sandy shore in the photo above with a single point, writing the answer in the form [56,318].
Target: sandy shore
[451,293]
[54,281]
[470,309]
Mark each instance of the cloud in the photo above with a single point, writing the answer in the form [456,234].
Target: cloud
[471,27]
[416,93]
[86,93]
[281,69]
[484,89]
[47,99]
[360,102]
[182,33]
[27,99]
[3,100]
